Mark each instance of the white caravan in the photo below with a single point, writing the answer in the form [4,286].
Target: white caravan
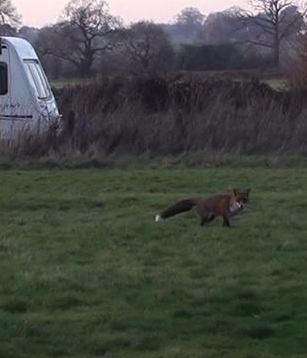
[26,100]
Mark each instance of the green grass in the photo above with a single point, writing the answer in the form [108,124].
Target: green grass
[85,272]
[64,82]
[277,82]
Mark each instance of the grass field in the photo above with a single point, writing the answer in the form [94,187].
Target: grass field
[70,82]
[85,272]
[276,82]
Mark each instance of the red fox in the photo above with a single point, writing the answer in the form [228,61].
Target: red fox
[224,205]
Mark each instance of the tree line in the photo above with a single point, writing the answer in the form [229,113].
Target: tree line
[89,40]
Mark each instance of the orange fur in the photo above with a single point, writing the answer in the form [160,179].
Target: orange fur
[224,205]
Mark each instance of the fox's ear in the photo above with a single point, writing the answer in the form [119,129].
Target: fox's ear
[235,191]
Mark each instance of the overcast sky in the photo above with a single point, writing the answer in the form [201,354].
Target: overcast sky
[39,12]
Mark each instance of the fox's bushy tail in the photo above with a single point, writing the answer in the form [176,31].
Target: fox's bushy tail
[177,208]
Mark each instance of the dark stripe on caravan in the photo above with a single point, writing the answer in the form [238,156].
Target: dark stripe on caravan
[14,118]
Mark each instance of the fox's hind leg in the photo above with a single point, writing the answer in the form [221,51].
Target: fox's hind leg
[206,219]
[206,216]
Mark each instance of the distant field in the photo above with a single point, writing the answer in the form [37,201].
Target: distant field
[63,82]
[85,272]
[274,79]
[277,82]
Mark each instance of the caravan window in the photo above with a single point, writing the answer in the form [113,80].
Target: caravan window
[3,78]
[37,78]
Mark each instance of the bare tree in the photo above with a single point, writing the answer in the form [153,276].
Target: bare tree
[190,16]
[223,27]
[8,14]
[148,50]
[85,32]
[7,30]
[190,19]
[275,20]
[297,71]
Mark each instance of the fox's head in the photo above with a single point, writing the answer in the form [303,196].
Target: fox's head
[241,197]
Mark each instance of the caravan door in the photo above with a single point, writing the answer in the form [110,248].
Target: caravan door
[5,98]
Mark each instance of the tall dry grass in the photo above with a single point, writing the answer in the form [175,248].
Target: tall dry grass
[174,116]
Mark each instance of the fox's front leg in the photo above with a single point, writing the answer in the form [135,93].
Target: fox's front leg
[226,221]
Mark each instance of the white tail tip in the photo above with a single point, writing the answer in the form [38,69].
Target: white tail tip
[157,218]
